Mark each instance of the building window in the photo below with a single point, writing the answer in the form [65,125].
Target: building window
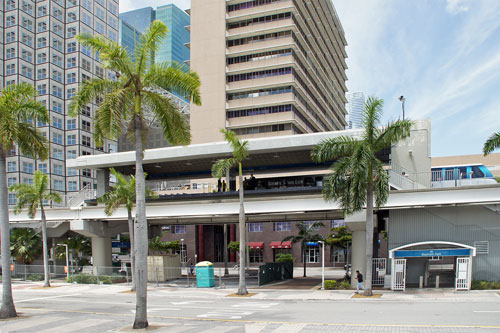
[10,5]
[256,255]
[86,141]
[312,254]
[71,154]
[11,21]
[11,181]
[58,169]
[72,185]
[10,53]
[27,39]
[255,227]
[179,229]
[71,32]
[86,125]
[27,71]
[71,47]
[86,111]
[282,226]
[56,106]
[71,17]
[42,10]
[43,167]
[10,37]
[86,173]
[42,58]
[10,69]
[71,63]
[337,255]
[57,138]
[70,92]
[71,78]
[71,139]
[310,224]
[71,124]
[27,167]
[57,60]
[11,166]
[57,122]
[42,73]
[56,91]
[12,199]
[58,154]
[27,55]
[58,185]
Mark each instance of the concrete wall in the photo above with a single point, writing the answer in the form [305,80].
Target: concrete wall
[414,153]
[463,225]
[208,59]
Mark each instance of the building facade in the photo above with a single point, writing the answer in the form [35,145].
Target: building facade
[39,47]
[264,68]
[355,106]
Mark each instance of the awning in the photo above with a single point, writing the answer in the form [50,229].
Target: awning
[280,245]
[256,245]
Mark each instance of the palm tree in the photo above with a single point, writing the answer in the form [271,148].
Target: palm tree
[357,174]
[220,169]
[25,244]
[123,193]
[306,234]
[18,109]
[492,143]
[122,106]
[34,195]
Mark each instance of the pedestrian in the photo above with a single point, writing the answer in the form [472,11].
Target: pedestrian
[219,185]
[191,269]
[224,186]
[359,277]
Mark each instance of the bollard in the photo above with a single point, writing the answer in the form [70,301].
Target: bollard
[156,271]
[220,279]
[421,282]
[126,274]
[437,281]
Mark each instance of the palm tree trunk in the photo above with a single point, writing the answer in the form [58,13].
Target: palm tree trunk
[369,235]
[141,228]
[132,247]
[46,280]
[7,309]
[304,255]
[242,288]
[226,269]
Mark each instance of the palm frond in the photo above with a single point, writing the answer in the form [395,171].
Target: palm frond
[334,148]
[176,78]
[175,125]
[239,147]
[372,114]
[492,143]
[381,184]
[88,91]
[391,134]
[220,168]
[149,43]
[31,141]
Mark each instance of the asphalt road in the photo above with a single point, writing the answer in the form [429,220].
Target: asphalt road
[100,309]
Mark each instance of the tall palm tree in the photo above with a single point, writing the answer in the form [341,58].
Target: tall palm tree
[306,234]
[25,244]
[492,143]
[34,195]
[220,169]
[122,107]
[123,193]
[357,174]
[18,109]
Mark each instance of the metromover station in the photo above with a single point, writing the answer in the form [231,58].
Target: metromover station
[435,237]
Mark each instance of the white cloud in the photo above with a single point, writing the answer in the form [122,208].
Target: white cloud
[456,6]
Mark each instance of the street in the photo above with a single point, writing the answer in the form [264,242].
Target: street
[90,308]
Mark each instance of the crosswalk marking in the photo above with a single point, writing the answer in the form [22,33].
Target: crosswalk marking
[24,324]
[175,329]
[75,326]
[220,329]
[254,328]
[289,328]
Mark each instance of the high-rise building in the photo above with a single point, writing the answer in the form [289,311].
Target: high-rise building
[173,47]
[355,106]
[267,67]
[38,39]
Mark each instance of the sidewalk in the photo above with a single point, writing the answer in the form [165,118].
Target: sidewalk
[411,295]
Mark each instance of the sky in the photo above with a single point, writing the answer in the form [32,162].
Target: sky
[442,55]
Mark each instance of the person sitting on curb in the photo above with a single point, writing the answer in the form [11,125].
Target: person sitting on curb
[359,277]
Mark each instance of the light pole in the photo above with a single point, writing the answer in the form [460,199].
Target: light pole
[67,259]
[322,264]
[182,251]
[402,99]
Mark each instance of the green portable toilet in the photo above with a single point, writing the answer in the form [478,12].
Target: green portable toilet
[205,274]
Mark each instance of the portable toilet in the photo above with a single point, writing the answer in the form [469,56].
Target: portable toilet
[205,274]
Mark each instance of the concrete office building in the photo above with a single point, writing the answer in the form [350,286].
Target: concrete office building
[265,70]
[355,106]
[39,47]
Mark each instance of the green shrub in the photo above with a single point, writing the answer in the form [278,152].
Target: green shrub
[92,279]
[484,285]
[284,257]
[35,277]
[345,285]
[331,284]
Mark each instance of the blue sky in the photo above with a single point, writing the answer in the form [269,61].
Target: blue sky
[442,55]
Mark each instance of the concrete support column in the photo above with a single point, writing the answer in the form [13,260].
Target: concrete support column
[102,179]
[358,255]
[101,255]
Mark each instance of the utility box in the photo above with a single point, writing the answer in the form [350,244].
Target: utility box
[205,274]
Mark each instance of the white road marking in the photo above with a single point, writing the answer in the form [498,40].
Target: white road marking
[158,309]
[289,328]
[228,314]
[189,302]
[24,324]
[78,326]
[255,305]
[487,311]
[46,298]
[254,328]
[220,329]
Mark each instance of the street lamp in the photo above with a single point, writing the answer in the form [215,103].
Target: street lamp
[322,264]
[67,259]
[182,251]
[402,99]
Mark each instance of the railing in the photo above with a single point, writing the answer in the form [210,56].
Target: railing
[404,179]
[85,193]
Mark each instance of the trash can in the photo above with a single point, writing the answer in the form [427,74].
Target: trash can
[205,274]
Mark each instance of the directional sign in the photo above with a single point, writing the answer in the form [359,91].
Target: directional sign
[432,253]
